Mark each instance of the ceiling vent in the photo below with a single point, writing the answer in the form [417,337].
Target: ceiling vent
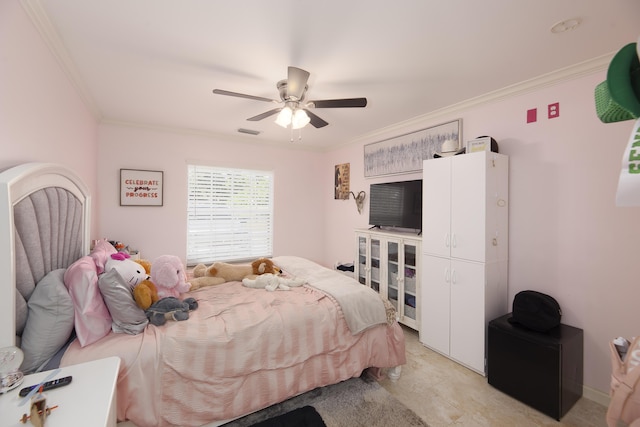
[249,131]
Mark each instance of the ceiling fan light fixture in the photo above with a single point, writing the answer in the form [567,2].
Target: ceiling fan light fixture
[300,119]
[284,117]
[295,118]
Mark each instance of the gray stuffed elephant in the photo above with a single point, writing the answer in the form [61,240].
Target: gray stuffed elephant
[170,308]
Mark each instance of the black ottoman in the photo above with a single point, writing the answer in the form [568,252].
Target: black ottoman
[543,370]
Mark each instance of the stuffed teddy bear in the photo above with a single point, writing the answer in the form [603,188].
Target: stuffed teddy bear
[271,282]
[169,277]
[224,272]
[132,272]
[145,293]
[170,308]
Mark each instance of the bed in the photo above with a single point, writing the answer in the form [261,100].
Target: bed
[241,350]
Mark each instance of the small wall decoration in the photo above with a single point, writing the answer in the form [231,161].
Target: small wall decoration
[140,187]
[359,200]
[405,153]
[341,185]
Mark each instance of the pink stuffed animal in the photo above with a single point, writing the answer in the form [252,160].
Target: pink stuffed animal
[167,273]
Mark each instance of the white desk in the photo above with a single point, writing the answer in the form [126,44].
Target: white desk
[90,399]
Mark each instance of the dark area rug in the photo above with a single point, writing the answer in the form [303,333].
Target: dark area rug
[355,402]
[306,416]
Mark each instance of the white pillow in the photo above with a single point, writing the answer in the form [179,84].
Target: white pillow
[49,322]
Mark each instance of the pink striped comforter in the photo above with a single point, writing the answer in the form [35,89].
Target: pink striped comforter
[242,350]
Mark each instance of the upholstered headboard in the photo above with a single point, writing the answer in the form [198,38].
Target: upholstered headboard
[44,226]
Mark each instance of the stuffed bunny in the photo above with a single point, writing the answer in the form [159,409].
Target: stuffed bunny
[168,274]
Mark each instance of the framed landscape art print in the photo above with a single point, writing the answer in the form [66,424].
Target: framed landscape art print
[405,153]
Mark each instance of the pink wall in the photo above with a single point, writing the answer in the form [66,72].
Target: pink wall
[567,238]
[299,222]
[42,118]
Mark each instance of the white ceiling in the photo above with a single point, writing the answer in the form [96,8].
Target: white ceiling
[155,62]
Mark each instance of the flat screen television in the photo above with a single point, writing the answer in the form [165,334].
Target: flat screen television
[396,204]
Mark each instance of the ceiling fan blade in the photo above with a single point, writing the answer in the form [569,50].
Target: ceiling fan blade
[264,115]
[316,121]
[340,103]
[296,82]
[242,95]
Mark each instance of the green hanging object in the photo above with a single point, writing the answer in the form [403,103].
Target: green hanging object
[618,98]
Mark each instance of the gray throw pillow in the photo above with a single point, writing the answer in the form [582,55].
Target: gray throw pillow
[126,316]
[49,321]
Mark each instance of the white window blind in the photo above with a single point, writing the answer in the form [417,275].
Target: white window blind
[230,214]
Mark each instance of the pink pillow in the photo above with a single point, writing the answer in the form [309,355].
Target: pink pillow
[101,253]
[92,318]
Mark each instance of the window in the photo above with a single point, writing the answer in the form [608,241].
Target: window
[230,214]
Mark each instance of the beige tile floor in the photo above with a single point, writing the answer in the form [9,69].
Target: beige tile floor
[444,393]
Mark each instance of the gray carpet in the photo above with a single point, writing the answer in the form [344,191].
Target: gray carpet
[355,402]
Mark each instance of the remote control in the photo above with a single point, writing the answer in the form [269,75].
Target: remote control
[49,385]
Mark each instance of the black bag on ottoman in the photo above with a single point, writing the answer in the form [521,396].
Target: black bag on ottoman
[536,311]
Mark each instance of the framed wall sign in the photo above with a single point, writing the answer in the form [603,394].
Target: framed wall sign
[341,185]
[140,187]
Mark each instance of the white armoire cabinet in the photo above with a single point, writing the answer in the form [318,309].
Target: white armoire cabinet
[464,253]
[388,262]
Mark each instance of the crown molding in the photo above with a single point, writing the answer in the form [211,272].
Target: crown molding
[47,31]
[572,72]
[243,138]
[40,19]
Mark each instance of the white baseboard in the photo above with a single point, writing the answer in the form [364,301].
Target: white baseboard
[596,395]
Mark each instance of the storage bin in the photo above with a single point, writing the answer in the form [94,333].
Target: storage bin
[409,311]
[543,370]
[410,285]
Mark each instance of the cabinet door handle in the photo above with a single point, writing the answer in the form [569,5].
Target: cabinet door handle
[447,275]
[447,240]
[454,277]
[454,241]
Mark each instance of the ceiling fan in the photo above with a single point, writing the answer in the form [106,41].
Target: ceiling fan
[295,111]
